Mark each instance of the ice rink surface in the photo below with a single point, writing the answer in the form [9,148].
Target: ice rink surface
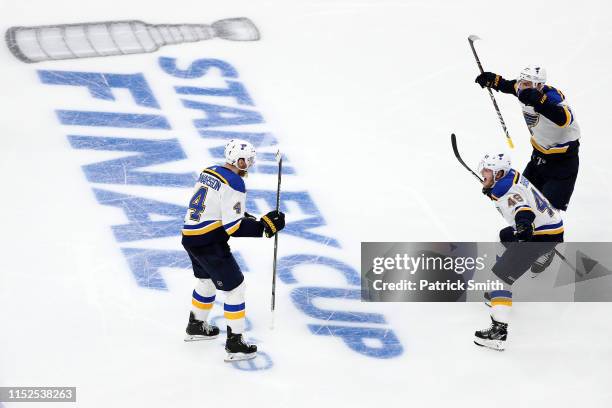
[361,96]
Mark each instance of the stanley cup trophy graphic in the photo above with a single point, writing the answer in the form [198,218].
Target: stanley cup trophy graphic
[71,41]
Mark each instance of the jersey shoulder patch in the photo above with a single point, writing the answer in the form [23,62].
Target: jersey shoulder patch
[228,177]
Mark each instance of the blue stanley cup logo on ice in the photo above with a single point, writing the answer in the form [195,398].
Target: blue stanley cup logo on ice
[70,41]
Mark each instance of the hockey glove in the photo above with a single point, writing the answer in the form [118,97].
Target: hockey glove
[507,235]
[531,97]
[273,222]
[524,231]
[489,80]
[487,191]
[249,216]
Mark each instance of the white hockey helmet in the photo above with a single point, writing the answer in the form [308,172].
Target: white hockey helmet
[534,74]
[237,149]
[495,162]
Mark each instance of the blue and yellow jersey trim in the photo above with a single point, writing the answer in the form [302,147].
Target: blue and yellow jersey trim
[215,174]
[557,149]
[202,302]
[551,229]
[501,298]
[568,117]
[502,186]
[227,177]
[522,208]
[231,227]
[233,312]
[201,228]
[554,96]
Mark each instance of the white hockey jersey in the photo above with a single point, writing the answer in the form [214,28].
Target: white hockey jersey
[514,193]
[216,208]
[546,136]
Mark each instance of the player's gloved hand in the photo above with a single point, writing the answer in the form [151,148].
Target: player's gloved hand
[488,79]
[249,216]
[487,191]
[531,96]
[273,222]
[524,231]
[507,235]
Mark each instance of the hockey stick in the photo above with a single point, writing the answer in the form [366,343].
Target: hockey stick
[471,40]
[279,159]
[458,156]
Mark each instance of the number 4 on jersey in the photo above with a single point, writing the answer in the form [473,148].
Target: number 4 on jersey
[196,204]
[542,204]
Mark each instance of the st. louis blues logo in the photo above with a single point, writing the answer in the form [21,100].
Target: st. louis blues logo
[531,118]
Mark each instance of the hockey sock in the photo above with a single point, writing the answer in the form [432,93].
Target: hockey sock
[234,309]
[501,304]
[202,299]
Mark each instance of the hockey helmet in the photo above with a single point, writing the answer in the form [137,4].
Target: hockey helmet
[534,74]
[237,149]
[495,162]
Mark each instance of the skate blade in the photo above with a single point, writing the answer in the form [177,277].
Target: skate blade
[195,337]
[497,345]
[487,303]
[239,356]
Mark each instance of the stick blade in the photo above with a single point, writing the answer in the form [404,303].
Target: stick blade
[454,144]
[473,37]
[460,159]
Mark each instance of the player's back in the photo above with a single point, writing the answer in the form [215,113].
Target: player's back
[215,208]
[548,137]
[514,193]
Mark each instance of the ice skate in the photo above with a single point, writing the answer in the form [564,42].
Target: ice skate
[542,263]
[237,348]
[494,337]
[199,330]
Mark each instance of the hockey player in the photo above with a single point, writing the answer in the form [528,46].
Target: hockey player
[216,212]
[555,134]
[535,229]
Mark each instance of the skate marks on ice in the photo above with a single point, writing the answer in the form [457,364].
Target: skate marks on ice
[260,362]
[148,218]
[110,38]
[219,108]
